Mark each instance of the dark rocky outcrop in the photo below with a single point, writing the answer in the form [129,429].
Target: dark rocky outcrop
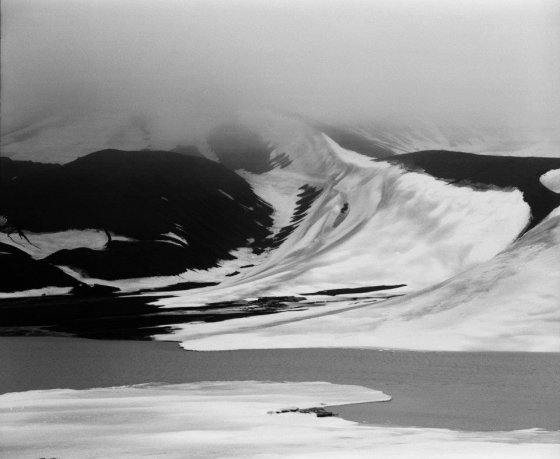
[345,291]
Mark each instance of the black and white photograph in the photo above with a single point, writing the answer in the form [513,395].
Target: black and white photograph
[262,229]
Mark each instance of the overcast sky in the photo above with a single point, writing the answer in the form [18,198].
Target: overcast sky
[486,60]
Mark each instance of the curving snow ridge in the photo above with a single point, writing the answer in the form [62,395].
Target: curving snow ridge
[453,245]
[372,223]
[231,419]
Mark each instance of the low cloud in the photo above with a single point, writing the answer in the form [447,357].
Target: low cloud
[346,60]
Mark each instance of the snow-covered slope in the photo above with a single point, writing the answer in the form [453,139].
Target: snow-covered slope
[376,223]
[369,223]
[511,302]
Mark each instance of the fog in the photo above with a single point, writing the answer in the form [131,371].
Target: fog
[346,60]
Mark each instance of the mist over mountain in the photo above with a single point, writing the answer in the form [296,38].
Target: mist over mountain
[188,65]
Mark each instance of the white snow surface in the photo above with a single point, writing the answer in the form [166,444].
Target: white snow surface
[509,303]
[232,419]
[36,292]
[41,245]
[551,180]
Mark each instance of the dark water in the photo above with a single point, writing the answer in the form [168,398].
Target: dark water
[466,391]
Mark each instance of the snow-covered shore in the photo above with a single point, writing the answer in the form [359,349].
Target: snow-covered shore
[232,419]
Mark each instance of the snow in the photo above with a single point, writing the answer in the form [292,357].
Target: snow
[398,227]
[279,188]
[41,245]
[509,303]
[36,292]
[408,228]
[551,180]
[232,419]
[44,244]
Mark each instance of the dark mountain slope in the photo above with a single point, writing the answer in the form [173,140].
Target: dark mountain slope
[522,173]
[19,272]
[10,169]
[159,199]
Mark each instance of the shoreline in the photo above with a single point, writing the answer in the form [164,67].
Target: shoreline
[472,391]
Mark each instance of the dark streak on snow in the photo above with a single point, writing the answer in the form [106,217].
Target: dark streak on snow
[306,197]
[345,291]
[120,317]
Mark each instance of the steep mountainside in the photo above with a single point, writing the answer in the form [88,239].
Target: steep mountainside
[162,213]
